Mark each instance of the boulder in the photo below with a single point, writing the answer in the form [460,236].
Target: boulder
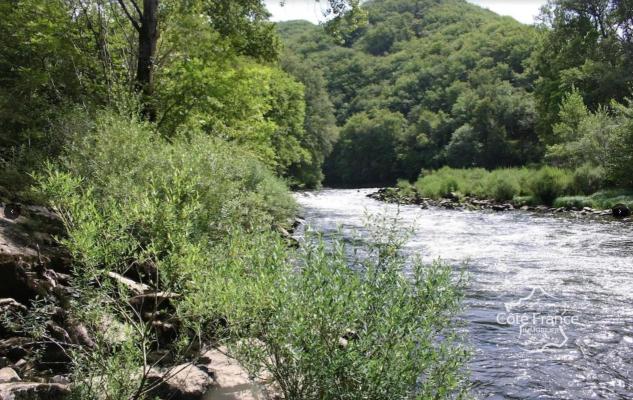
[33,391]
[11,306]
[182,382]
[453,196]
[448,204]
[230,380]
[9,375]
[29,258]
[620,211]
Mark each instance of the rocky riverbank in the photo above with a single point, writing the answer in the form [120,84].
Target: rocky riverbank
[34,269]
[453,201]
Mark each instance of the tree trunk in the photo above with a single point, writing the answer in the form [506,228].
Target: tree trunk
[147,41]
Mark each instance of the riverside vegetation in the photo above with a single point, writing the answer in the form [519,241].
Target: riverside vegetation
[429,84]
[146,153]
[157,142]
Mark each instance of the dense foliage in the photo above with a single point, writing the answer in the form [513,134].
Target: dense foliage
[197,216]
[165,134]
[456,74]
[521,186]
[215,69]
[389,334]
[473,89]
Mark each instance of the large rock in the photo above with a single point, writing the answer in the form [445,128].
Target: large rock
[182,382]
[33,391]
[30,261]
[230,380]
[621,211]
[9,375]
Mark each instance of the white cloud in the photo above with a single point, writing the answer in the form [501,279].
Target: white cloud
[311,10]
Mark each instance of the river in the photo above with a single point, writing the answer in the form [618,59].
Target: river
[549,302]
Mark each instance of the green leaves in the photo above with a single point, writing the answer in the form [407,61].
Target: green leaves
[344,326]
[441,66]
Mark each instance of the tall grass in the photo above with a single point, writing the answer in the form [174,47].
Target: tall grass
[542,185]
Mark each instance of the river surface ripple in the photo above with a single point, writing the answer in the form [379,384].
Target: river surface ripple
[560,266]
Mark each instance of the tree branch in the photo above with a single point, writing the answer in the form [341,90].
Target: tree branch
[129,16]
[137,8]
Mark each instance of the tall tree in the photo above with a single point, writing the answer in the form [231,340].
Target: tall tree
[232,18]
[587,45]
[145,21]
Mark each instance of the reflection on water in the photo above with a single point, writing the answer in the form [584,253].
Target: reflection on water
[585,268]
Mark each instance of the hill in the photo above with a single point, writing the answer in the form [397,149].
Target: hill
[423,84]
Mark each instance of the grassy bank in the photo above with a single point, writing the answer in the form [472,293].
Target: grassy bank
[531,186]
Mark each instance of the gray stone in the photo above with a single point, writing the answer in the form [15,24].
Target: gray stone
[33,391]
[9,375]
[231,381]
[182,382]
[621,211]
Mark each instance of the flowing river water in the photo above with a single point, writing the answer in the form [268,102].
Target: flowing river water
[549,302]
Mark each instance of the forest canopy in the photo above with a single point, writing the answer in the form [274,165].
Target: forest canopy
[473,89]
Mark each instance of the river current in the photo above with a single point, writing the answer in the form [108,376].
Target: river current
[549,303]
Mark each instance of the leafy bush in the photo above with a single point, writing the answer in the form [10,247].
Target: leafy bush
[440,183]
[198,214]
[540,185]
[524,201]
[609,198]
[578,202]
[588,179]
[549,183]
[196,211]
[373,330]
[502,185]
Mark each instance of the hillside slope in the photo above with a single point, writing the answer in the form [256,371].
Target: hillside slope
[426,83]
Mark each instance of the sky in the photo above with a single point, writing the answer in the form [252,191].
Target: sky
[521,10]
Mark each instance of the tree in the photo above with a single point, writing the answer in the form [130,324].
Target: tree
[320,128]
[242,20]
[464,149]
[439,64]
[366,152]
[587,45]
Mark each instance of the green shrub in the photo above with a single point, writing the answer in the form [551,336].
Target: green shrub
[588,179]
[502,185]
[578,202]
[609,198]
[372,331]
[524,201]
[549,183]
[196,210]
[439,183]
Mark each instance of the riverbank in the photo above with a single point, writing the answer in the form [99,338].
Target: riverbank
[454,201]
